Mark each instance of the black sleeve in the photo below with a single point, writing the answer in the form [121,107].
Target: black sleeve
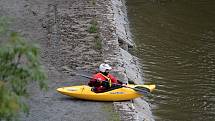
[94,83]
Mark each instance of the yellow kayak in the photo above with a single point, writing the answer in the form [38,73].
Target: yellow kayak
[120,94]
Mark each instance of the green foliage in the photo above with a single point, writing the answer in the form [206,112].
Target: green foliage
[94,2]
[19,65]
[93,27]
[3,24]
[98,42]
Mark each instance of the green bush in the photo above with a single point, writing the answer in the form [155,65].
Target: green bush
[19,65]
[93,27]
[98,42]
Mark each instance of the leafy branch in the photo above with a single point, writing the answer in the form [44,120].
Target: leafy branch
[19,66]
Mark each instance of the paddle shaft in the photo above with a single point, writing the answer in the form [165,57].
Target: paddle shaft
[85,76]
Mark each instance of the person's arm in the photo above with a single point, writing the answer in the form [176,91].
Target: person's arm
[94,81]
[116,81]
[113,79]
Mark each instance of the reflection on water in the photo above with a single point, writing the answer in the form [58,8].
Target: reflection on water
[176,43]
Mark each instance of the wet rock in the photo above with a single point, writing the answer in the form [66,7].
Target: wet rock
[115,49]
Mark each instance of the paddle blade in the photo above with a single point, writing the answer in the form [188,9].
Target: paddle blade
[142,89]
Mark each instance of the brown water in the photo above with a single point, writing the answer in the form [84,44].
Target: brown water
[176,44]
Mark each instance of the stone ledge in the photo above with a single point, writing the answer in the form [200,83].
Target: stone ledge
[116,36]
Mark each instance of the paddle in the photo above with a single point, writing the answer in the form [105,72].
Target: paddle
[139,89]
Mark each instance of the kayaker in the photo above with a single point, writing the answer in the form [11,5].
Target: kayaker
[103,80]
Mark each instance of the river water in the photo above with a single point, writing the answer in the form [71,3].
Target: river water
[176,45]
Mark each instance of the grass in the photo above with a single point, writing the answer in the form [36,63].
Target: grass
[94,2]
[93,27]
[98,42]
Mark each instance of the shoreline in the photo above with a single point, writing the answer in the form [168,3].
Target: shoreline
[61,28]
[126,65]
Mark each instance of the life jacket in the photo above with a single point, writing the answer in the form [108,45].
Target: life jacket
[108,79]
[99,76]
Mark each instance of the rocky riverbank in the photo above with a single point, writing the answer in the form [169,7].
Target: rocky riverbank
[77,35]
[117,41]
